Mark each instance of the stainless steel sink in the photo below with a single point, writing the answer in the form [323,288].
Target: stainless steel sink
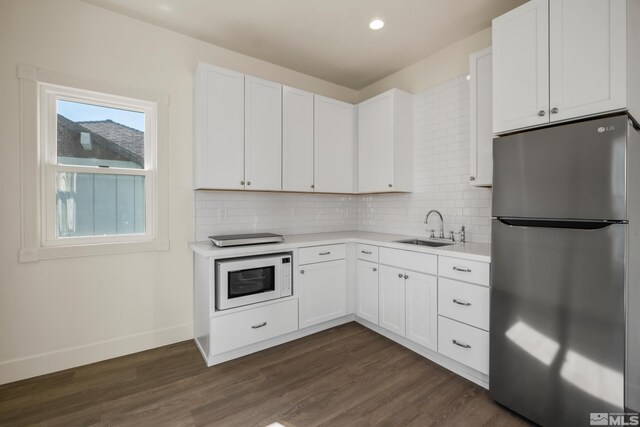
[431,243]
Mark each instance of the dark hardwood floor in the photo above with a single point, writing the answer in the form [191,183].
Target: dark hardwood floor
[345,376]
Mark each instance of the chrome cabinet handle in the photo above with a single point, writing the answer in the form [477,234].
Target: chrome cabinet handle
[554,110]
[301,271]
[366,252]
[390,185]
[324,253]
[400,275]
[541,113]
[461,344]
[464,270]
[248,182]
[259,325]
[459,302]
[313,186]
[472,178]
[241,182]
[375,269]
[406,277]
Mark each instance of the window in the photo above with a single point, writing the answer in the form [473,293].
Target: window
[97,168]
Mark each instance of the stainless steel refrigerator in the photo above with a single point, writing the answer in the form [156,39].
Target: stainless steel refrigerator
[565,295]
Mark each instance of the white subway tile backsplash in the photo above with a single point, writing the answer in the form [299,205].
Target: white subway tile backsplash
[272,212]
[441,181]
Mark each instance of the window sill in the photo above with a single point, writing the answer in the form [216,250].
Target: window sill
[41,253]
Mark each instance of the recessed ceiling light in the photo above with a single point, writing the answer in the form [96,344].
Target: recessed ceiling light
[376,24]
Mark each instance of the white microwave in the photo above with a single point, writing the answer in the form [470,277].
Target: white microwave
[249,280]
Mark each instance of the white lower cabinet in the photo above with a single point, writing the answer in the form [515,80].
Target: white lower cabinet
[392,300]
[464,302]
[421,291]
[464,343]
[409,305]
[323,291]
[367,291]
[250,326]
[443,307]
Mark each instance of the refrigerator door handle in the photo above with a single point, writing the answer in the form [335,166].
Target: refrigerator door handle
[559,223]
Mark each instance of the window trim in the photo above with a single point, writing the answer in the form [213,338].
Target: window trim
[38,90]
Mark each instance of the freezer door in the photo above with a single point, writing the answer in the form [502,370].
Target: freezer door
[557,321]
[573,171]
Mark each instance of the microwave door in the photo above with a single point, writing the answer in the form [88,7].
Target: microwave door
[241,282]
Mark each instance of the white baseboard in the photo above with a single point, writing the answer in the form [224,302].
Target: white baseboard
[45,363]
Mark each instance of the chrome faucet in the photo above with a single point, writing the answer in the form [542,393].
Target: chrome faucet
[426,221]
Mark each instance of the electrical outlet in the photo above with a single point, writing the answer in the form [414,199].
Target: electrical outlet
[222,214]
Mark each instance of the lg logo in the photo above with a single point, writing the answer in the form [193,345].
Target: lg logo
[606,128]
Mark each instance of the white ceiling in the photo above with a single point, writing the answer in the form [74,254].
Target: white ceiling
[328,39]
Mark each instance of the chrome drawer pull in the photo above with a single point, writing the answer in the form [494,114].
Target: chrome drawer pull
[366,252]
[459,302]
[260,325]
[464,270]
[401,275]
[375,269]
[324,253]
[461,344]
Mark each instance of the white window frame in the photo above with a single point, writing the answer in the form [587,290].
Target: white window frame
[40,91]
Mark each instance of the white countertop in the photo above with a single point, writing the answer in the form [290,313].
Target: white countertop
[472,251]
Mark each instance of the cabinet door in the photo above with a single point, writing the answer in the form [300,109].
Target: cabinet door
[392,300]
[297,140]
[480,124]
[334,146]
[376,143]
[521,67]
[367,291]
[218,128]
[323,292]
[587,42]
[263,134]
[422,309]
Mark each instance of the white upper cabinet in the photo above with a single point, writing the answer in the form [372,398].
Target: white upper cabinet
[297,140]
[480,120]
[521,67]
[263,134]
[557,60]
[334,146]
[587,54]
[385,143]
[218,128]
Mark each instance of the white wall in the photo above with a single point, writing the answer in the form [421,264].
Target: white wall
[441,173]
[60,313]
[443,65]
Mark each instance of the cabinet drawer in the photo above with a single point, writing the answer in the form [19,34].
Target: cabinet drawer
[462,269]
[254,325]
[464,302]
[321,253]
[367,252]
[464,343]
[416,261]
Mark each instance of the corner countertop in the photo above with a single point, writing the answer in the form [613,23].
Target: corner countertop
[471,251]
